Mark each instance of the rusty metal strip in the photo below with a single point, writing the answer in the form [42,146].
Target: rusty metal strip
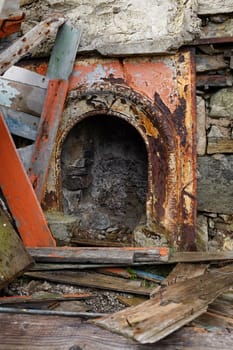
[20,196]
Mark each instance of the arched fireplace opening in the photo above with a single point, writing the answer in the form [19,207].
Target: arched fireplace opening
[104,173]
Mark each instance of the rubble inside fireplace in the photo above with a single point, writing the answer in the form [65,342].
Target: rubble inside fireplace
[104,179]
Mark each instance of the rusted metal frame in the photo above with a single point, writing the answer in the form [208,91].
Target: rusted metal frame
[19,194]
[59,70]
[156,113]
[10,25]
[186,136]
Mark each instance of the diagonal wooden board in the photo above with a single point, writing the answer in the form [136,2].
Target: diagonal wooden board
[19,194]
[14,258]
[171,308]
[29,41]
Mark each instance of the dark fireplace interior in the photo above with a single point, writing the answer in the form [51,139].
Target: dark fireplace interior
[104,168]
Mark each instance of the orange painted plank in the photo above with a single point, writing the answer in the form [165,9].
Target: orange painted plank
[19,194]
[50,118]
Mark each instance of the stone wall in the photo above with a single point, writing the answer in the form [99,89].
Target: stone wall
[215,145]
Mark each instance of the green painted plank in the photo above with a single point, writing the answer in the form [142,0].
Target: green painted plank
[64,52]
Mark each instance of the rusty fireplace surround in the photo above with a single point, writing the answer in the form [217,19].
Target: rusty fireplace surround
[139,112]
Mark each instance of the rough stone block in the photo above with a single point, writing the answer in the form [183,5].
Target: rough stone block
[62,226]
[201,126]
[221,103]
[215,184]
[126,26]
[216,6]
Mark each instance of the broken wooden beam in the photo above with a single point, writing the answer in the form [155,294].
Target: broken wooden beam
[184,271]
[170,308]
[94,280]
[193,257]
[29,41]
[59,70]
[97,255]
[14,259]
[19,195]
[45,297]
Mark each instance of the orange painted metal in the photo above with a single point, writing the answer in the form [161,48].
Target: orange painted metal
[10,25]
[50,118]
[19,194]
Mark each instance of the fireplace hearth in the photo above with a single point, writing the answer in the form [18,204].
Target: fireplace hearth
[124,160]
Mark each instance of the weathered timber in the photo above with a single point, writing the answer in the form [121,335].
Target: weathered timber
[14,258]
[45,297]
[214,80]
[22,97]
[61,266]
[19,194]
[97,255]
[219,145]
[177,257]
[21,124]
[170,308]
[184,271]
[14,310]
[63,333]
[29,41]
[94,280]
[60,67]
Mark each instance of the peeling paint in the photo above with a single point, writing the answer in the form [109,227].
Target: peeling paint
[8,93]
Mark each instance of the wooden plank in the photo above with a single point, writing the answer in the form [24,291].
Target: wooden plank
[21,124]
[171,308]
[219,145]
[22,97]
[184,271]
[98,255]
[25,76]
[177,257]
[59,70]
[19,194]
[94,280]
[29,41]
[14,258]
[48,297]
[61,333]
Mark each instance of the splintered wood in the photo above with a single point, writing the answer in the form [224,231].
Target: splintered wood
[171,307]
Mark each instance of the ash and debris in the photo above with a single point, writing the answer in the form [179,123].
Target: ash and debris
[101,302]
